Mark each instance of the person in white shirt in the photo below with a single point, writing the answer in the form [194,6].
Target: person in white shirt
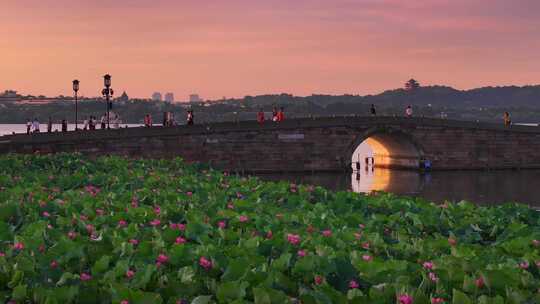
[35,126]
[408,111]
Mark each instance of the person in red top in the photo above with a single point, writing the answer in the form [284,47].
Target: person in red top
[280,115]
[260,117]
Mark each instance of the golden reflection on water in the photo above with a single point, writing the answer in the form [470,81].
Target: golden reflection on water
[370,180]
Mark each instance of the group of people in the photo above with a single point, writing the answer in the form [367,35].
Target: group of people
[277,115]
[33,126]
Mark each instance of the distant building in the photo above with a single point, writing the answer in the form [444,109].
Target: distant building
[195,98]
[169,97]
[156,96]
[9,96]
[124,97]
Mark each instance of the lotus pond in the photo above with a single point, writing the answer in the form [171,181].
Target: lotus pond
[113,230]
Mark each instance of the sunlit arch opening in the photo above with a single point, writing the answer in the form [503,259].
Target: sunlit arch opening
[387,150]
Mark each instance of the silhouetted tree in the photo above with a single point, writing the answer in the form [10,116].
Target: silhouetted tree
[411,85]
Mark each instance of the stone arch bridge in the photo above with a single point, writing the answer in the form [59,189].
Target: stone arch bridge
[307,144]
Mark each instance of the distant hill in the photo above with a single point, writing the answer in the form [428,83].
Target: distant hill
[440,96]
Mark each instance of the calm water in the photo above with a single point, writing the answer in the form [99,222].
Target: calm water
[482,187]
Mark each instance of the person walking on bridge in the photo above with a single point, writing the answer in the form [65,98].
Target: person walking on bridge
[49,125]
[507,121]
[373,111]
[190,117]
[274,114]
[281,115]
[28,126]
[103,121]
[408,111]
[260,117]
[64,125]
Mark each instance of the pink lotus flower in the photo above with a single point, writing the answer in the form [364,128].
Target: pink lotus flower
[524,265]
[536,243]
[18,246]
[367,258]
[100,212]
[452,241]
[122,223]
[243,218]
[318,280]
[83,217]
[301,253]
[49,226]
[157,210]
[85,277]
[230,206]
[205,263]
[189,193]
[269,234]
[428,265]
[479,282]
[327,233]
[41,248]
[222,225]
[180,240]
[46,214]
[293,239]
[405,299]
[72,235]
[93,191]
[134,241]
[54,264]
[134,202]
[155,222]
[366,245]
[2,254]
[130,273]
[357,235]
[124,302]
[433,277]
[181,227]
[162,259]
[90,228]
[361,226]
[437,300]
[353,284]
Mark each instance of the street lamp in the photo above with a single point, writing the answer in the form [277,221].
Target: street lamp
[107,93]
[76,89]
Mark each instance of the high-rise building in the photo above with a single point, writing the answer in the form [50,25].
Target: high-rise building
[169,97]
[156,96]
[195,98]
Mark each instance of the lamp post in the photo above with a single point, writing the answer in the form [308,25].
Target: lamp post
[107,93]
[75,90]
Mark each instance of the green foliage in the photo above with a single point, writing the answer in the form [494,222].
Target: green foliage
[110,229]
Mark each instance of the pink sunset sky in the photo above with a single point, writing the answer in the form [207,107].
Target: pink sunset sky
[234,48]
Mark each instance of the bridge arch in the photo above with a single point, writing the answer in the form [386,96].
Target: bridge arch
[391,148]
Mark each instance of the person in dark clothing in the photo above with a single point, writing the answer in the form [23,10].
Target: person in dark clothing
[165,119]
[64,125]
[49,125]
[373,111]
[274,114]
[28,126]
